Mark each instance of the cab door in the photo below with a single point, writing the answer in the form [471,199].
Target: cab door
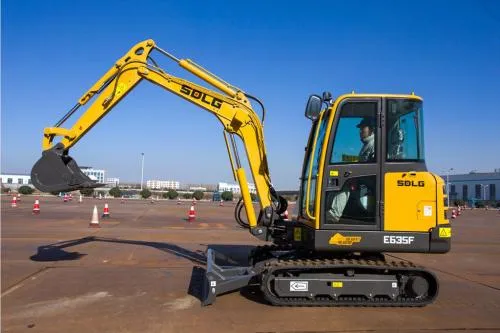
[351,189]
[310,171]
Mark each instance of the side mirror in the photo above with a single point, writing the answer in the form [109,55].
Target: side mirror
[313,107]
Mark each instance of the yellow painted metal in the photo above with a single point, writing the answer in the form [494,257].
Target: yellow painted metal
[309,173]
[319,178]
[441,202]
[341,98]
[146,47]
[247,200]
[196,70]
[410,201]
[233,111]
[110,88]
[50,132]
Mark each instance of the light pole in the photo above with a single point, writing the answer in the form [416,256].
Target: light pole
[448,186]
[142,170]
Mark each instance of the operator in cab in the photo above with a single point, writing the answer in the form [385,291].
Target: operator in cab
[367,136]
[366,154]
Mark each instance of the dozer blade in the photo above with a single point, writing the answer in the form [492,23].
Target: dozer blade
[56,171]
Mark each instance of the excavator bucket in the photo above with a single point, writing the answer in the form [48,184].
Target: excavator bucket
[56,171]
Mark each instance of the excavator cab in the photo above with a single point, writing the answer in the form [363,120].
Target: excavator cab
[56,171]
[364,176]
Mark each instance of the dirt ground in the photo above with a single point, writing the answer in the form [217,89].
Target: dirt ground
[141,272]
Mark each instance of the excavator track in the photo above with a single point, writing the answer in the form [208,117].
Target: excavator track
[327,271]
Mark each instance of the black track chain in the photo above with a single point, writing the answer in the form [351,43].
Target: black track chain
[389,267]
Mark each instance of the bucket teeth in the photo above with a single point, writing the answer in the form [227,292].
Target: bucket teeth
[56,171]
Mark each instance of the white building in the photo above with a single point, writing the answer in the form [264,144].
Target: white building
[235,188]
[113,181]
[197,188]
[474,186]
[15,180]
[94,174]
[161,184]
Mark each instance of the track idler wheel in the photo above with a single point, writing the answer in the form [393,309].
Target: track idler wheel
[417,286]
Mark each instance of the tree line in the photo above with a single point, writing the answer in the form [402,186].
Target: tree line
[116,192]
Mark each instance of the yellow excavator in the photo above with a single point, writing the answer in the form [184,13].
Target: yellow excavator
[365,189]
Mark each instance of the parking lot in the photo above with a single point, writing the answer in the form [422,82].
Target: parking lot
[142,269]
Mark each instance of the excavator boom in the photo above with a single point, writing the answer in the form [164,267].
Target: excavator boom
[56,171]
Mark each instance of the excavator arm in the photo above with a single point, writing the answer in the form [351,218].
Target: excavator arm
[56,171]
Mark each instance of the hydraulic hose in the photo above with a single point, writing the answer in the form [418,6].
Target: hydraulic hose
[261,105]
[237,214]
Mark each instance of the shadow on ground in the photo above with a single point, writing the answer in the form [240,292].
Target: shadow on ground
[226,255]
[56,252]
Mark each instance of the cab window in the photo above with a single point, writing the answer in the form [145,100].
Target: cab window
[355,137]
[314,157]
[354,203]
[405,140]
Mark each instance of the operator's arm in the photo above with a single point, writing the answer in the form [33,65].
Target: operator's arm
[231,107]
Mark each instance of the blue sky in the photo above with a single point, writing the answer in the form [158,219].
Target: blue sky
[448,52]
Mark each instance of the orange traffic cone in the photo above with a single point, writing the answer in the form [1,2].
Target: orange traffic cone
[459,211]
[105,213]
[94,223]
[122,201]
[19,197]
[65,198]
[178,201]
[191,214]
[221,204]
[36,207]
[453,214]
[285,215]
[13,203]
[70,197]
